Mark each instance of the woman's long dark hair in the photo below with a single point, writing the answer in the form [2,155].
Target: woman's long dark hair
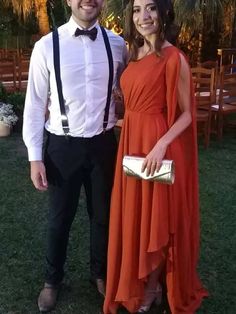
[165,30]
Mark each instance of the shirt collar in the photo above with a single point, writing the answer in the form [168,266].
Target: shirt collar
[72,26]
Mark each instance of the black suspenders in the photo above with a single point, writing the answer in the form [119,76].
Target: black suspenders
[56,59]
[110,81]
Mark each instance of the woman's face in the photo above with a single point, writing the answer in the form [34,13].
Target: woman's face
[145,17]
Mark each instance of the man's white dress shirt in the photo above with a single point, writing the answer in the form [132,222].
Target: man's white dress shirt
[84,74]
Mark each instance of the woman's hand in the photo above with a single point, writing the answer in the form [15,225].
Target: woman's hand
[154,159]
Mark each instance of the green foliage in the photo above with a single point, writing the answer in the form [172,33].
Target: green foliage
[12,24]
[3,93]
[115,7]
[191,13]
[59,13]
[17,99]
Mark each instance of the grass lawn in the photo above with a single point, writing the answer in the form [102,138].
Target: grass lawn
[23,214]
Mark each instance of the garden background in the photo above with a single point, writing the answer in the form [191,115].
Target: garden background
[204,27]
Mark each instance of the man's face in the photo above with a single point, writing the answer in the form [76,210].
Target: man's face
[85,12]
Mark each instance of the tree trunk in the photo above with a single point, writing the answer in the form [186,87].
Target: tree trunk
[42,15]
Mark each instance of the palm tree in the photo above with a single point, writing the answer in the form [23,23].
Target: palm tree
[42,16]
[23,9]
[196,18]
[116,7]
[203,16]
[59,12]
[192,12]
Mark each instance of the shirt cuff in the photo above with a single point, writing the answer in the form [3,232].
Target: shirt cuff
[35,153]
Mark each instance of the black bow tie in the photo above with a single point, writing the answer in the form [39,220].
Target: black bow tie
[92,33]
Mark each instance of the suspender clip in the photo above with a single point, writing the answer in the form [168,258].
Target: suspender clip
[66,130]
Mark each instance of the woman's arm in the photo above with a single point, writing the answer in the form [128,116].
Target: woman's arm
[153,160]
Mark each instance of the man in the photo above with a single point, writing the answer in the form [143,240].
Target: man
[80,146]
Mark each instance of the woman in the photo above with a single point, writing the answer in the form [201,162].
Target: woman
[154,228]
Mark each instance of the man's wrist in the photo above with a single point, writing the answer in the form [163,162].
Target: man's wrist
[35,154]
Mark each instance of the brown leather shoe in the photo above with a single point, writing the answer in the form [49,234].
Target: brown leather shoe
[48,298]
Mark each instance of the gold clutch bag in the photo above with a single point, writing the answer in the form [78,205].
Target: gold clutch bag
[132,166]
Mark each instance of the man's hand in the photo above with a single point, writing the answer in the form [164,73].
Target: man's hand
[38,175]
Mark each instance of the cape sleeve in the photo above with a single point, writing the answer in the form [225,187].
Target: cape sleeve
[172,77]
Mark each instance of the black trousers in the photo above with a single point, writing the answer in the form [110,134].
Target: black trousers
[70,163]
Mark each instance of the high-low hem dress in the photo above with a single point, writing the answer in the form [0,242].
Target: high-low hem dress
[148,217]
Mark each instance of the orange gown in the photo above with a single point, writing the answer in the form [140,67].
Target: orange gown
[147,217]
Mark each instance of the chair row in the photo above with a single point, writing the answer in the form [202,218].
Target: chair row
[15,53]
[14,76]
[215,95]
